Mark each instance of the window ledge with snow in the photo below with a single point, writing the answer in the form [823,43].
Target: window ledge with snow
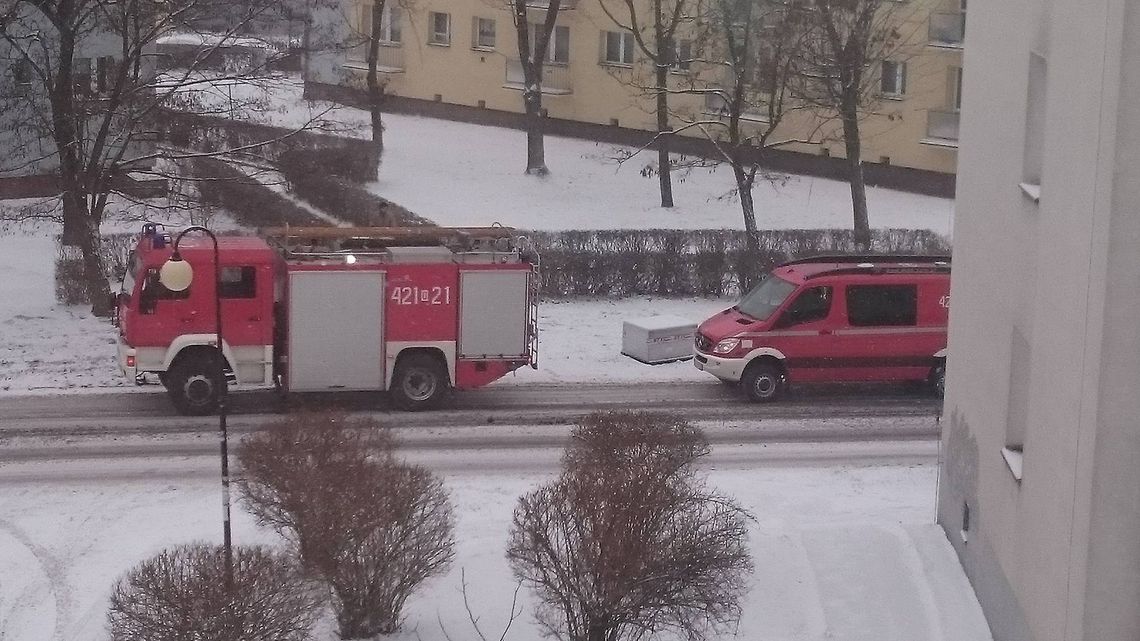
[1013,459]
[1032,191]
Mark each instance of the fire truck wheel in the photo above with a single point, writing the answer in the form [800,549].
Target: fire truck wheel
[193,383]
[938,379]
[419,383]
[763,382]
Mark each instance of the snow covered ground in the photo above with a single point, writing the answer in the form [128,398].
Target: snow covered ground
[847,553]
[461,174]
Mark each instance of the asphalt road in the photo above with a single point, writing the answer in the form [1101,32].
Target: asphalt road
[148,412]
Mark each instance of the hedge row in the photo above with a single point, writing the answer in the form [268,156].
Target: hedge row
[667,262]
[251,203]
[353,157]
[323,179]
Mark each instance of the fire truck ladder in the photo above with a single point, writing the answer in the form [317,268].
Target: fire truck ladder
[331,240]
[532,312]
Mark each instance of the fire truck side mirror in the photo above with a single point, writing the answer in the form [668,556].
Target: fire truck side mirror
[148,297]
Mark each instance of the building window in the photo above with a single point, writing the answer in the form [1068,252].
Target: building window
[22,73]
[484,37]
[681,56]
[619,48]
[104,69]
[81,76]
[894,78]
[1033,154]
[440,28]
[389,23]
[238,282]
[558,49]
[954,88]
[882,305]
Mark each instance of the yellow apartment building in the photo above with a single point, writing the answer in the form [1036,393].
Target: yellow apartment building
[464,53]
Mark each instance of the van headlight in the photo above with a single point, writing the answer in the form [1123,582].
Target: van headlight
[726,346]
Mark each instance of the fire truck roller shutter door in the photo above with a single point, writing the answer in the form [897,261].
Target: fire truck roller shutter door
[493,313]
[335,330]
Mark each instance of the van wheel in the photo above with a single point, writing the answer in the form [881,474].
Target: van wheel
[938,379]
[764,382]
[419,383]
[194,384]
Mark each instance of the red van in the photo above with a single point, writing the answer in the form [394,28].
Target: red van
[851,318]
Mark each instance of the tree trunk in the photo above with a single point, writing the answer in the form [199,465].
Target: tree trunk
[751,266]
[854,152]
[664,136]
[535,130]
[94,271]
[375,88]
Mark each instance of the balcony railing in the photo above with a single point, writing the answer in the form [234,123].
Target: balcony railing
[545,4]
[947,29]
[389,58]
[941,128]
[555,77]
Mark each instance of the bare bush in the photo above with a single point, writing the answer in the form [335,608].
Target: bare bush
[181,594]
[372,527]
[627,542]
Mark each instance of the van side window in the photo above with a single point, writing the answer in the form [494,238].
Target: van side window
[239,282]
[879,305]
[811,305]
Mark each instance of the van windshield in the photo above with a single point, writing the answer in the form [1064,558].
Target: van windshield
[765,298]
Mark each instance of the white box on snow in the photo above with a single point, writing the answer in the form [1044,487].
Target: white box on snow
[659,339]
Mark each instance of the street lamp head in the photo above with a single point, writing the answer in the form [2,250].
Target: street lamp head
[176,274]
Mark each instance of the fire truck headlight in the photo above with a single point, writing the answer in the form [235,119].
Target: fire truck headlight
[727,345]
[350,259]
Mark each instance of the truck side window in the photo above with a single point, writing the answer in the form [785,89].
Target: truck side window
[153,291]
[239,282]
[882,305]
[811,305]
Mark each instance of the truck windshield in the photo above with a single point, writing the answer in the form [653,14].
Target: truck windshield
[765,298]
[131,276]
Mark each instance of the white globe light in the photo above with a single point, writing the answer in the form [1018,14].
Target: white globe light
[176,275]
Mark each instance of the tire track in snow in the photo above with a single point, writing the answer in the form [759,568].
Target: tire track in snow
[48,590]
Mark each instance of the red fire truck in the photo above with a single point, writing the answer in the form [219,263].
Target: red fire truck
[413,311]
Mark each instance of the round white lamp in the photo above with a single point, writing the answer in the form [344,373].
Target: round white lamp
[176,274]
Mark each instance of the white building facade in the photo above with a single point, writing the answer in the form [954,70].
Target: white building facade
[1040,485]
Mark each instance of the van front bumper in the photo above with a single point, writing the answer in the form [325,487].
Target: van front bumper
[726,369]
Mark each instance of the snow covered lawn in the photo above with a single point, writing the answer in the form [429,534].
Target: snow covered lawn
[840,553]
[472,175]
[461,174]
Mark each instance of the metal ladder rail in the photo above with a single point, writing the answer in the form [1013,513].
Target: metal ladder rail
[532,311]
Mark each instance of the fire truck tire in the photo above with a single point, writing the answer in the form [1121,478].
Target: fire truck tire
[193,383]
[419,383]
[938,379]
[764,381]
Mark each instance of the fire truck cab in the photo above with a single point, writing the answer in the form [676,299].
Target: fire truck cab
[416,312]
[863,318]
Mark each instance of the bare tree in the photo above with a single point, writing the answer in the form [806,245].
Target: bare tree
[627,542]
[656,29]
[533,50]
[850,41]
[372,527]
[383,25]
[180,594]
[85,94]
[749,60]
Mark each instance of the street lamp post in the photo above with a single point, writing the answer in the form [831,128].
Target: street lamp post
[176,275]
